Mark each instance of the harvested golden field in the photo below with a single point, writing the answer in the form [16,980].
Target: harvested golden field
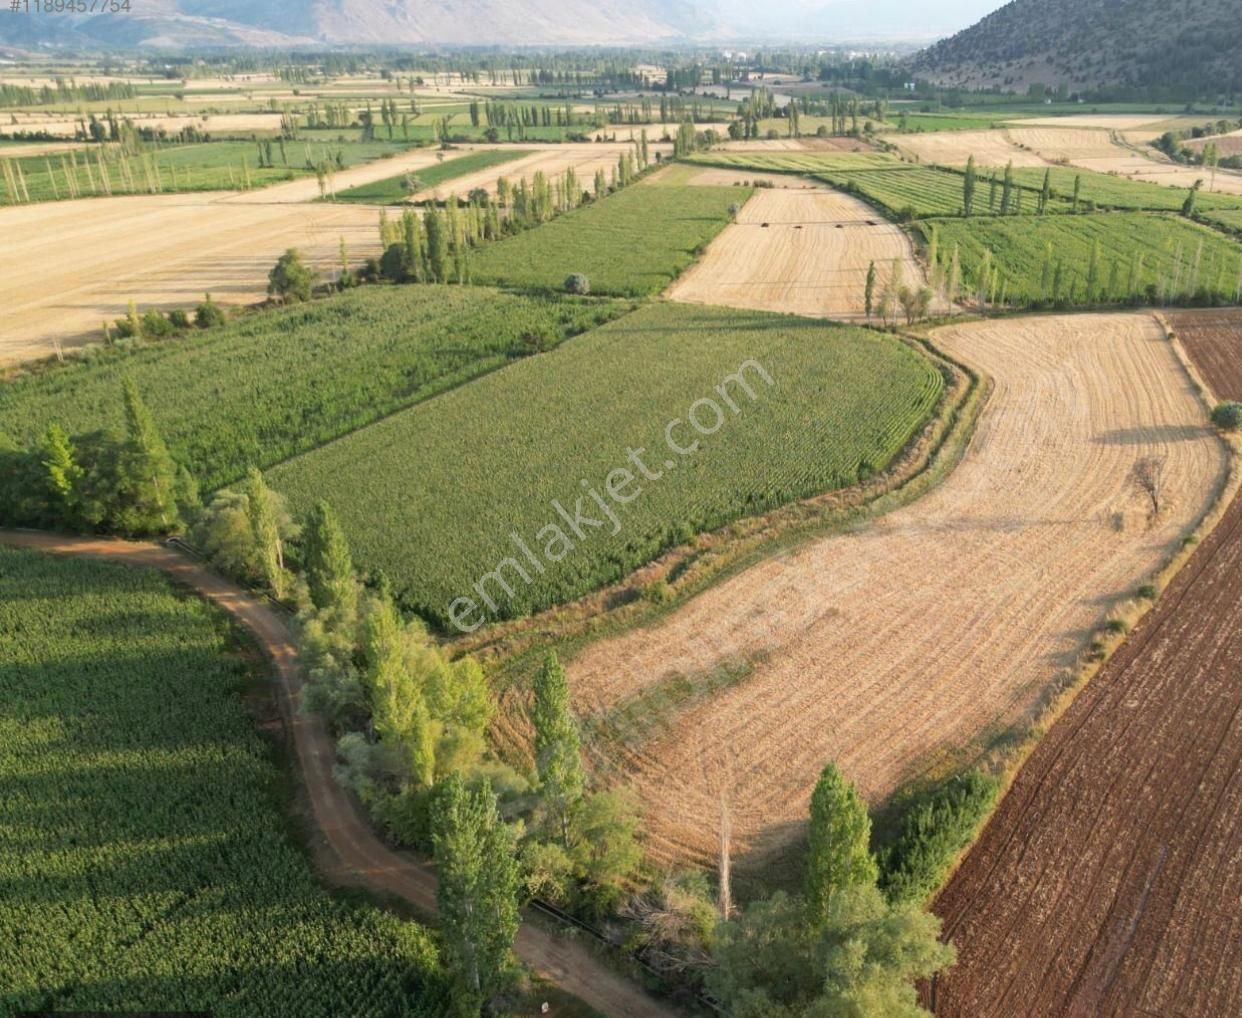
[1226,144]
[802,250]
[890,649]
[159,250]
[954,148]
[211,123]
[1067,143]
[551,160]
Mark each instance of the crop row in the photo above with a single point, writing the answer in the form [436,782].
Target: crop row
[267,386]
[392,190]
[147,863]
[795,162]
[432,496]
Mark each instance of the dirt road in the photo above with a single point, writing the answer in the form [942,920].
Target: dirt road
[890,649]
[362,858]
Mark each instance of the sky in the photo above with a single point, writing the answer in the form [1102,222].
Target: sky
[854,19]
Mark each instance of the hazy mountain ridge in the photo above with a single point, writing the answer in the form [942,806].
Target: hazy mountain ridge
[189,23]
[1172,44]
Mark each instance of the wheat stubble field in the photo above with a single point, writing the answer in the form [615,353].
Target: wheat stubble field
[167,250]
[798,249]
[889,649]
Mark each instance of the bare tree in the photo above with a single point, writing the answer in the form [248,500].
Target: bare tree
[1147,478]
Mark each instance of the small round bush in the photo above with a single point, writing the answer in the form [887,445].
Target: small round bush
[576,282]
[1228,416]
[209,314]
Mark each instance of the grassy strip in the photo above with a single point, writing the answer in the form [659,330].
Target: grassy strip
[393,190]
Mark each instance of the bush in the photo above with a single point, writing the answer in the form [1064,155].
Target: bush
[209,314]
[155,325]
[576,282]
[178,319]
[1228,416]
[933,831]
[290,278]
[394,264]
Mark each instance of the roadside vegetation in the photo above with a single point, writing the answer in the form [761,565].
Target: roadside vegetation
[119,897]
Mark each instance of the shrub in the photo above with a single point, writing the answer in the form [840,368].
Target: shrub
[394,264]
[290,278]
[209,314]
[576,282]
[1147,592]
[155,325]
[1228,416]
[933,831]
[1117,626]
[178,319]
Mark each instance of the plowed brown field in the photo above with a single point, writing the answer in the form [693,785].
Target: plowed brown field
[1108,881]
[801,250]
[887,649]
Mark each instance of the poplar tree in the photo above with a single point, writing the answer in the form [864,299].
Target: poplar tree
[869,290]
[328,566]
[398,706]
[437,246]
[557,759]
[1045,192]
[476,894]
[840,834]
[1077,190]
[261,511]
[62,475]
[1007,191]
[146,474]
[968,188]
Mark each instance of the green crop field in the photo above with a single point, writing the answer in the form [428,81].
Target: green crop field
[1137,251]
[203,166]
[268,386]
[911,192]
[392,190]
[432,496]
[914,121]
[1112,192]
[147,860]
[632,243]
[1231,220]
[796,162]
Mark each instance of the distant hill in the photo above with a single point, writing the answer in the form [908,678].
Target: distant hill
[185,24]
[1179,47]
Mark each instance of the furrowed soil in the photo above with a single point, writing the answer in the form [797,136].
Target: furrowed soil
[1107,882]
[954,148]
[799,248]
[891,649]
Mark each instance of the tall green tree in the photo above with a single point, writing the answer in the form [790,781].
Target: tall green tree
[968,188]
[1045,192]
[146,476]
[398,706]
[869,290]
[265,526]
[437,246]
[557,749]
[327,563]
[1077,190]
[840,835]
[1007,190]
[62,475]
[477,893]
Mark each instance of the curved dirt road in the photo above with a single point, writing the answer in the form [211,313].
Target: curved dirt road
[362,858]
[917,640]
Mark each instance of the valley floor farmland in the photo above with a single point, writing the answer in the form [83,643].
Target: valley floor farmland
[890,649]
[166,250]
[1107,882]
[803,249]
[433,496]
[147,858]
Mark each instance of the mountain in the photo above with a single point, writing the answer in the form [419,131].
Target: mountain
[187,24]
[1180,47]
